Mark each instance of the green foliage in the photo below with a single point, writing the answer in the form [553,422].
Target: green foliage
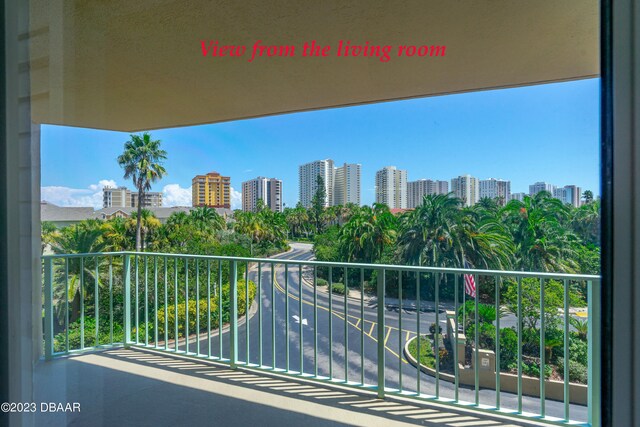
[427,356]
[59,340]
[578,372]
[142,161]
[170,311]
[339,288]
[325,245]
[508,348]
[366,235]
[578,350]
[322,282]
[532,369]
[318,203]
[553,300]
[486,312]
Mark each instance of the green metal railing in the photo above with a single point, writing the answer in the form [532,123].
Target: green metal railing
[150,299]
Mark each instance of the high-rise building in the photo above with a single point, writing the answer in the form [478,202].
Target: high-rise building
[466,188]
[151,200]
[212,190]
[416,190]
[346,184]
[518,196]
[122,197]
[496,189]
[308,181]
[269,190]
[391,187]
[116,197]
[570,194]
[541,186]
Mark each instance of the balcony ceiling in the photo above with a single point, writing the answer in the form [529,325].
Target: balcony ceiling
[131,66]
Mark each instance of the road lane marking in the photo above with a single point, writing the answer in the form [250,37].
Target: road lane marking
[358,322]
[386,338]
[277,285]
[372,326]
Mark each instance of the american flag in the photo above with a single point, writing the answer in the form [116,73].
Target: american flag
[469,283]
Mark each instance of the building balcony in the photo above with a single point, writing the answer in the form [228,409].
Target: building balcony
[283,349]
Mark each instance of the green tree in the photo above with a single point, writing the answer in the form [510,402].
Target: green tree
[82,238]
[367,234]
[206,219]
[587,196]
[318,203]
[538,226]
[439,233]
[142,162]
[48,233]
[115,235]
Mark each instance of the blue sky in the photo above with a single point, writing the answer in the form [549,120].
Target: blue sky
[539,133]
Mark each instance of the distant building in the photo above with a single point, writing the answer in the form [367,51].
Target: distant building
[269,190]
[122,197]
[212,190]
[346,184]
[391,187]
[518,196]
[498,189]
[308,181]
[416,190]
[466,188]
[570,194]
[63,216]
[541,186]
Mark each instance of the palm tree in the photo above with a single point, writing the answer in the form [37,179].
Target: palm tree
[587,196]
[542,240]
[85,237]
[146,223]
[206,219]
[48,233]
[142,162]
[439,233]
[368,233]
[247,223]
[115,234]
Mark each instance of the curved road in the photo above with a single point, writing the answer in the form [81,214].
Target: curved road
[323,338]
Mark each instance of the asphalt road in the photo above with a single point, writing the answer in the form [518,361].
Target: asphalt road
[325,349]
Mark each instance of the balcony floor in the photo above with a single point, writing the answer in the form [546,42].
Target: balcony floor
[139,387]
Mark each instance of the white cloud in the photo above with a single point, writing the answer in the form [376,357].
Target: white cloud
[67,196]
[174,195]
[103,183]
[236,199]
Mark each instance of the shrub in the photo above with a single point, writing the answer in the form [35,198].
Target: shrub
[427,357]
[339,288]
[508,348]
[532,369]
[578,350]
[487,335]
[171,312]
[577,371]
[321,282]
[89,334]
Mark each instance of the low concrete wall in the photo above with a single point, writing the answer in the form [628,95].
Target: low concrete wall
[508,382]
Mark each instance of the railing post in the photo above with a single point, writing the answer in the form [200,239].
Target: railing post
[233,308]
[381,358]
[126,270]
[48,309]
[593,343]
